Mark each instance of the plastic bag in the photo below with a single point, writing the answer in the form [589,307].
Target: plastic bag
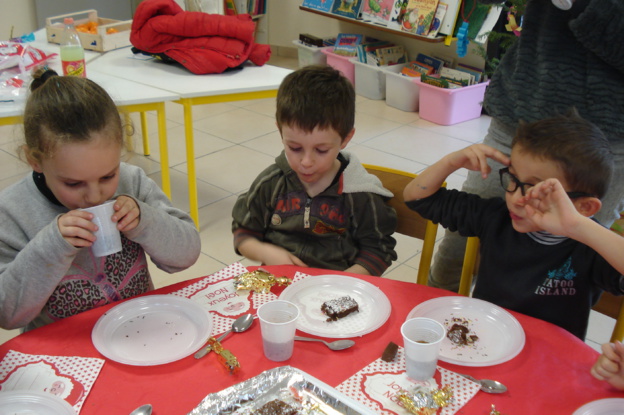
[23,56]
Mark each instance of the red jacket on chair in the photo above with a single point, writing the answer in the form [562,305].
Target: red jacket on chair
[203,43]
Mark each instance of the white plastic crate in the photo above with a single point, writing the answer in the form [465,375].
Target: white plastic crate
[402,91]
[310,55]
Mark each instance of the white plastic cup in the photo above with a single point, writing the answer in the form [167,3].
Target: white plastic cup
[421,339]
[108,237]
[278,323]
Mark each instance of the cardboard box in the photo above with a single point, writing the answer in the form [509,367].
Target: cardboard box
[341,63]
[310,55]
[99,42]
[450,106]
[402,91]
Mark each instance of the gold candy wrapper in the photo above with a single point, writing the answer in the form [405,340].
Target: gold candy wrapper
[259,281]
[224,356]
[426,402]
[494,411]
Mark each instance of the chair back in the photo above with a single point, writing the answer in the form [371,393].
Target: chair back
[409,222]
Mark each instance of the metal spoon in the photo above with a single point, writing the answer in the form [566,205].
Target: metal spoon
[487,385]
[142,410]
[335,345]
[239,325]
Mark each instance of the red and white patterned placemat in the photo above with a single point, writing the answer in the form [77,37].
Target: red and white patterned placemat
[68,377]
[217,294]
[378,384]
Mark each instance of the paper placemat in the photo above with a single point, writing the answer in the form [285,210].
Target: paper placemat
[217,294]
[68,377]
[378,384]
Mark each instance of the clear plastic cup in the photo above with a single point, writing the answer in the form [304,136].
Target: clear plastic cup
[108,237]
[278,322]
[421,339]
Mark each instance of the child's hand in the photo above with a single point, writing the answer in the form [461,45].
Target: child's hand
[77,228]
[550,208]
[127,213]
[475,158]
[276,255]
[609,366]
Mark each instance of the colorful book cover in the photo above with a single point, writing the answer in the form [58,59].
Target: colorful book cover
[347,43]
[347,8]
[419,15]
[378,11]
[391,55]
[320,5]
[437,64]
[437,19]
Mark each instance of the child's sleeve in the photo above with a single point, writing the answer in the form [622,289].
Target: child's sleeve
[374,224]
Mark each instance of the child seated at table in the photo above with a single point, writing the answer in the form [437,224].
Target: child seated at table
[542,253]
[316,206]
[610,365]
[73,142]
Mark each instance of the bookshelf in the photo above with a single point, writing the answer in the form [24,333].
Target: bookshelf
[446,39]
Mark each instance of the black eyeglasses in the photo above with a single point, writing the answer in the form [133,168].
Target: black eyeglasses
[511,183]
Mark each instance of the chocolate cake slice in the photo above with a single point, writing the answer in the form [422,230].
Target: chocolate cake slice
[276,407]
[339,308]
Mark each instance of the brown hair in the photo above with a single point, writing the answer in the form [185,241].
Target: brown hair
[578,146]
[316,96]
[62,109]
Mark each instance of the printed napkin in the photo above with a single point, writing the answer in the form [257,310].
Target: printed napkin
[68,377]
[378,384]
[217,294]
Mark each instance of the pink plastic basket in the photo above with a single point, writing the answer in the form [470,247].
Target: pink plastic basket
[341,63]
[450,106]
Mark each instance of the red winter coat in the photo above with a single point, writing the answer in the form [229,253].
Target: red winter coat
[203,43]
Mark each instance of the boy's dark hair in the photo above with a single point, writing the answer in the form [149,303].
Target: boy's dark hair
[316,96]
[578,146]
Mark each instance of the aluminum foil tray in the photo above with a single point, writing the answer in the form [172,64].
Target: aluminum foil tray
[293,386]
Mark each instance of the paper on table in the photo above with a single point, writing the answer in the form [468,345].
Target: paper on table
[68,377]
[217,294]
[377,385]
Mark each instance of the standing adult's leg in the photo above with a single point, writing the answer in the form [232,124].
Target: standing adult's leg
[613,202]
[449,258]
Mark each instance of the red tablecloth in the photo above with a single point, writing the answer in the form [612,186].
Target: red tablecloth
[550,375]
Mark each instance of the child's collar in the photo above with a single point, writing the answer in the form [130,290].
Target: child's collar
[546,238]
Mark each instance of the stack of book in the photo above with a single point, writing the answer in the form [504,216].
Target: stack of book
[436,71]
[381,53]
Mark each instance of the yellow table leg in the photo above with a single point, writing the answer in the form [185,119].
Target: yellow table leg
[190,160]
[146,148]
[164,150]
[16,119]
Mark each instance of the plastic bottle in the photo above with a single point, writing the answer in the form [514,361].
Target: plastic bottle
[72,53]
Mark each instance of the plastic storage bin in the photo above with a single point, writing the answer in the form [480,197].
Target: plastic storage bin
[402,91]
[310,55]
[450,106]
[370,81]
[342,63]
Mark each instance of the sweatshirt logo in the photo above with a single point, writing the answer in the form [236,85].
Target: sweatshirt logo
[559,281]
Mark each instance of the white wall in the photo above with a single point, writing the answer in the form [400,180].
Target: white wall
[286,21]
[19,14]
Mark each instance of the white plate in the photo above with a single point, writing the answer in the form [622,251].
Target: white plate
[310,293]
[35,403]
[501,336]
[612,406]
[152,330]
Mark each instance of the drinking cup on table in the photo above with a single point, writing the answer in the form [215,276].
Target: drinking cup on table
[421,339]
[108,237]
[278,322]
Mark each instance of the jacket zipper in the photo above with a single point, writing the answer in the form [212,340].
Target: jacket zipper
[306,215]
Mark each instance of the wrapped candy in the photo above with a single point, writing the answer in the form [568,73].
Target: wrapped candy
[423,401]
[494,411]
[259,281]
[225,357]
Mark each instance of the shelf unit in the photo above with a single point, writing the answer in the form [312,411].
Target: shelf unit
[446,39]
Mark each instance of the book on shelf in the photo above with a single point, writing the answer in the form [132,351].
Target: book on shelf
[419,15]
[391,55]
[347,8]
[320,5]
[415,69]
[366,47]
[453,76]
[347,43]
[437,19]
[476,72]
[450,17]
[379,11]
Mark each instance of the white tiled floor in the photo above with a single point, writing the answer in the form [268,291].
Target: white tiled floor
[235,141]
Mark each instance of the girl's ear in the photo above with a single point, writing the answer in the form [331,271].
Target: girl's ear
[34,164]
[588,206]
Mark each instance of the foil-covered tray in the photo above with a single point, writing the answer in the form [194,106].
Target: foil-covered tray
[307,394]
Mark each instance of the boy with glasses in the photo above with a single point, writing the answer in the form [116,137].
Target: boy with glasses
[542,253]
